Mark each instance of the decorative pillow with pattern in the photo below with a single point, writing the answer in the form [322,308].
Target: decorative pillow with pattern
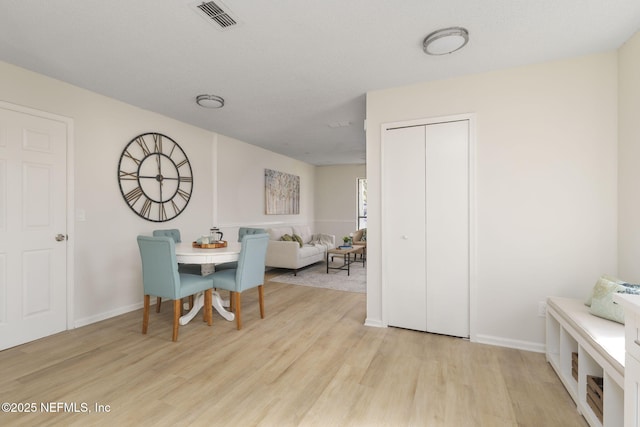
[603,278]
[602,304]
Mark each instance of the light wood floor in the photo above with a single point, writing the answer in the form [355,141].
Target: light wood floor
[310,362]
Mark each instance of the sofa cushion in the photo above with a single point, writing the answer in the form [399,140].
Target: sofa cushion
[303,231]
[310,251]
[276,233]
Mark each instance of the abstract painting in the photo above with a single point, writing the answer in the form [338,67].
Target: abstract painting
[282,193]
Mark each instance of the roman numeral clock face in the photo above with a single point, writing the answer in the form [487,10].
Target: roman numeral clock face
[155,177]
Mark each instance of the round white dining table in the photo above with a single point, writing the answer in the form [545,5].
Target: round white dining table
[187,254]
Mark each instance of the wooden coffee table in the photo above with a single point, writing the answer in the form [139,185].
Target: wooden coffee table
[346,257]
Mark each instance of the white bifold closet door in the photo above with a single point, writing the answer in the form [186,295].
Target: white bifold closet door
[426,227]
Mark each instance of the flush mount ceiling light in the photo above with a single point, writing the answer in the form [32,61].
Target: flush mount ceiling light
[445,41]
[210,101]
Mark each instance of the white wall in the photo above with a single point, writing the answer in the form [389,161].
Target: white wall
[107,263]
[336,195]
[328,194]
[546,184]
[240,186]
[629,158]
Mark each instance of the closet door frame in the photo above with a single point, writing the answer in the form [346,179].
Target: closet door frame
[384,239]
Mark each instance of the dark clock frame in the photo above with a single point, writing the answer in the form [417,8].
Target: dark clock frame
[155,177]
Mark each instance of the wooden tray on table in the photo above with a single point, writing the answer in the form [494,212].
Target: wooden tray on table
[215,245]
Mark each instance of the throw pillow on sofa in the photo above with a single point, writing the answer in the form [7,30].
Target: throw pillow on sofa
[287,238]
[303,231]
[298,239]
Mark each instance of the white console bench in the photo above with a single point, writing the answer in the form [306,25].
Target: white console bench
[631,305]
[580,345]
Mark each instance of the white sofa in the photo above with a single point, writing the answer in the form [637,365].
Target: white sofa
[289,254]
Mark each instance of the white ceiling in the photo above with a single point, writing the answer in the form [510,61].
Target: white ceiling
[291,70]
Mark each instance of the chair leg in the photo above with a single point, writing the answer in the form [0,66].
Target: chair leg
[261,300]
[208,306]
[232,305]
[145,314]
[158,302]
[190,302]
[238,305]
[177,308]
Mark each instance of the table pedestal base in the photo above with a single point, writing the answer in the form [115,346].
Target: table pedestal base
[218,303]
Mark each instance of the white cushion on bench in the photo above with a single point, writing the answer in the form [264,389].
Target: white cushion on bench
[606,336]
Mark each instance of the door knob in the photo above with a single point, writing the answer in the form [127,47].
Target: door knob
[405,237]
[60,237]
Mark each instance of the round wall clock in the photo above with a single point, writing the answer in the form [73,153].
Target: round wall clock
[155,177]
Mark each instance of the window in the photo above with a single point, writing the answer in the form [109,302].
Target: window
[362,203]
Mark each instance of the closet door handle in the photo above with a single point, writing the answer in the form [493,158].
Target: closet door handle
[405,237]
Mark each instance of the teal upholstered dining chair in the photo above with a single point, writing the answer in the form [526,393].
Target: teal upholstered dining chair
[249,274]
[174,233]
[242,231]
[160,277]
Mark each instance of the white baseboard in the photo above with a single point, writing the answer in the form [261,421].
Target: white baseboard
[484,339]
[504,342]
[374,323]
[106,315]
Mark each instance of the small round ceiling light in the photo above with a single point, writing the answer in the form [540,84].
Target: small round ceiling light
[210,101]
[445,41]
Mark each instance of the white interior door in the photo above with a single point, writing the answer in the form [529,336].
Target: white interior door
[404,227]
[33,215]
[447,229]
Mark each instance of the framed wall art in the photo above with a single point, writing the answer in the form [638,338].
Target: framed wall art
[282,193]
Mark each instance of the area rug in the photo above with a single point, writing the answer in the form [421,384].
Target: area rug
[317,277]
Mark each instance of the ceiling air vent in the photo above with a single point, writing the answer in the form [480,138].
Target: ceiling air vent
[218,13]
